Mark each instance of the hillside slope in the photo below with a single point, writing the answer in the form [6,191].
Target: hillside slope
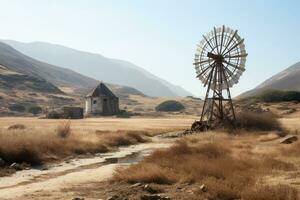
[288,79]
[61,77]
[100,67]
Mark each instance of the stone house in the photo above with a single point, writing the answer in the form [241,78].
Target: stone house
[101,101]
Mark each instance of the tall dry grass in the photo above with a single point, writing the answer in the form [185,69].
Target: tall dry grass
[37,146]
[227,173]
[257,121]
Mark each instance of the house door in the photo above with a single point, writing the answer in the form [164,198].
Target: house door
[105,108]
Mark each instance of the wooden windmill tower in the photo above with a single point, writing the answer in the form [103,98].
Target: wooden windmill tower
[219,62]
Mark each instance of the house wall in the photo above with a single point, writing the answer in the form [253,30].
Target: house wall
[101,105]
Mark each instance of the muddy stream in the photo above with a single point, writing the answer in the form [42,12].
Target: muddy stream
[57,176]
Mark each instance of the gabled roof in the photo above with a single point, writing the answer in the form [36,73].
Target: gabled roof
[101,90]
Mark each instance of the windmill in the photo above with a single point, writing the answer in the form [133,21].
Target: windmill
[219,62]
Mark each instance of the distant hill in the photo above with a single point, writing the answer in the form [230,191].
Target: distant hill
[63,78]
[26,82]
[100,68]
[11,80]
[288,79]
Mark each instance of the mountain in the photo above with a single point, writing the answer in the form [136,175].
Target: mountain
[99,67]
[61,77]
[288,79]
[12,81]
[26,83]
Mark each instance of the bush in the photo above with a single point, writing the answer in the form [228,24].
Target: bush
[64,129]
[278,96]
[170,106]
[226,173]
[17,107]
[257,121]
[35,110]
[16,126]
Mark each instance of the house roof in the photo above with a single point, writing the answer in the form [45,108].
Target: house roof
[101,90]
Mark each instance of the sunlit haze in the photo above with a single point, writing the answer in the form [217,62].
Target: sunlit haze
[161,36]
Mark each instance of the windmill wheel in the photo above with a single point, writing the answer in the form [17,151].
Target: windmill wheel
[220,58]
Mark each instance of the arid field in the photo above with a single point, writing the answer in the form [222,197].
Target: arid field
[248,163]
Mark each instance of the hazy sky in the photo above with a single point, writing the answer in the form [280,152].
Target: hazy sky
[161,35]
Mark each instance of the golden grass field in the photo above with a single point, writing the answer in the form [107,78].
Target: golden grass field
[88,125]
[249,164]
[35,141]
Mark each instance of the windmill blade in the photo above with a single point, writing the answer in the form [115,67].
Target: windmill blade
[209,77]
[222,37]
[231,39]
[234,66]
[236,56]
[216,39]
[201,72]
[234,46]
[208,42]
[203,61]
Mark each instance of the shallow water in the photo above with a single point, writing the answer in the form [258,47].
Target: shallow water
[76,171]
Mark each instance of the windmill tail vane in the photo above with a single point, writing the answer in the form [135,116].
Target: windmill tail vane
[219,62]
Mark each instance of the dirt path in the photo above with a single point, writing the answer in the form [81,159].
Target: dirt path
[24,184]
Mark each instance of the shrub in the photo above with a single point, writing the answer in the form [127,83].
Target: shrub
[257,121]
[226,174]
[170,106]
[124,114]
[63,130]
[35,146]
[278,96]
[277,192]
[35,110]
[16,126]
[17,107]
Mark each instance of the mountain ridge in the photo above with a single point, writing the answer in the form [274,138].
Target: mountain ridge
[99,67]
[287,79]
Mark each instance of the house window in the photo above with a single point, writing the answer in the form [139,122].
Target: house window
[94,102]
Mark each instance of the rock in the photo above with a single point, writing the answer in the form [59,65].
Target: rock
[15,166]
[2,162]
[43,168]
[151,189]
[154,197]
[203,188]
[289,139]
[78,198]
[114,197]
[136,185]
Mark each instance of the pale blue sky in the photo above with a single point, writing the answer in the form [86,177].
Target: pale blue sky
[161,35]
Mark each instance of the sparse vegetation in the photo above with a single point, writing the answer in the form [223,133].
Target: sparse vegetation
[63,130]
[169,106]
[35,147]
[226,174]
[257,121]
[17,107]
[278,96]
[35,110]
[16,126]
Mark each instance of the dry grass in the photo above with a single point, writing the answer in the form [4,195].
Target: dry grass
[44,140]
[36,146]
[227,172]
[258,121]
[278,192]
[291,150]
[16,126]
[63,130]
